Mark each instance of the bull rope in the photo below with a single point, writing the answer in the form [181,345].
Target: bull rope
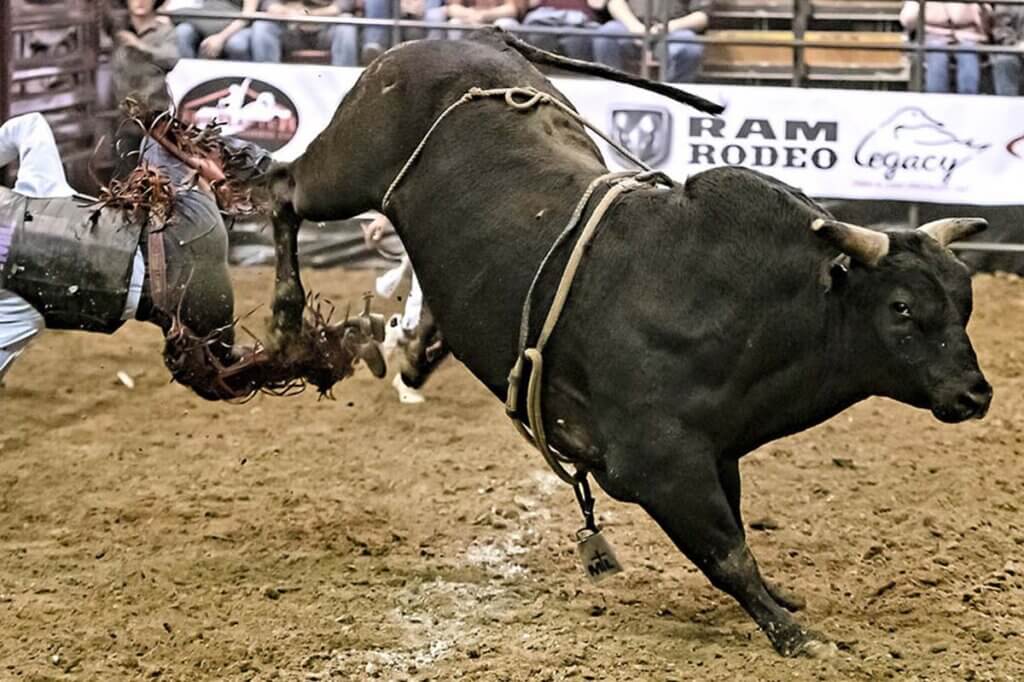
[524,99]
[621,183]
[534,97]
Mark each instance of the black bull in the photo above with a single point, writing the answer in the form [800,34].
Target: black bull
[707,319]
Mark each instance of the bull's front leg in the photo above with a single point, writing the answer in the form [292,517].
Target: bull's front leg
[729,476]
[684,493]
[289,296]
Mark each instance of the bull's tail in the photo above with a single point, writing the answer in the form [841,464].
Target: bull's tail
[539,56]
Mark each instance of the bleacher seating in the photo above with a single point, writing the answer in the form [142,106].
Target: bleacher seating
[881,11]
[842,22]
[54,48]
[321,57]
[770,62]
[748,13]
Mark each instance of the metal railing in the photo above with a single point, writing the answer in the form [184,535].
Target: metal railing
[7,53]
[658,44]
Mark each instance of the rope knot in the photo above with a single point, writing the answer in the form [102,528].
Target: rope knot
[520,99]
[533,98]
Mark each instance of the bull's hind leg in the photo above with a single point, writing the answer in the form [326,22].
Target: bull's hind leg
[289,296]
[729,475]
[685,496]
[423,353]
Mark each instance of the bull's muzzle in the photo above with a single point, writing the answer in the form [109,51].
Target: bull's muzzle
[972,403]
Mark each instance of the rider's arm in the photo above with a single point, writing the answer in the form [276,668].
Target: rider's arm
[29,140]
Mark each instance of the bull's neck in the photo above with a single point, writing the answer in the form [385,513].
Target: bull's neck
[823,373]
[845,376]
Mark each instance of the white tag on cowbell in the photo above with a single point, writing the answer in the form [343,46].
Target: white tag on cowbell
[596,556]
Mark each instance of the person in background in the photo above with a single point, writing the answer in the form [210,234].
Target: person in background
[503,13]
[687,18]
[950,24]
[564,14]
[145,50]
[270,39]
[378,38]
[215,38]
[1007,31]
[402,333]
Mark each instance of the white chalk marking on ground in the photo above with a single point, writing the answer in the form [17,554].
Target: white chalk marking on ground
[430,618]
[547,483]
[496,555]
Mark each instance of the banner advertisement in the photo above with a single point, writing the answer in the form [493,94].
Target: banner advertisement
[847,144]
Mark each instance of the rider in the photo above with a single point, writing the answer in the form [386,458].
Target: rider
[153,248]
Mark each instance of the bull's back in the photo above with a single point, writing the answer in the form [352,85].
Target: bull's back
[479,208]
[379,123]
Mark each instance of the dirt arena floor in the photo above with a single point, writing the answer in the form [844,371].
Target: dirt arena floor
[147,534]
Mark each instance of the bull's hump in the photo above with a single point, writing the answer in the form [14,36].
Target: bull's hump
[481,60]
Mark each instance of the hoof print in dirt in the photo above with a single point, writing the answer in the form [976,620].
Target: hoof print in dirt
[805,643]
[816,648]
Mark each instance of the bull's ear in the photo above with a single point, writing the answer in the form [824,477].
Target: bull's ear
[949,230]
[859,243]
[835,273]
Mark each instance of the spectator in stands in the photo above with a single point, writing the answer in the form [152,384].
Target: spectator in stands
[214,38]
[377,38]
[687,18]
[502,13]
[145,51]
[564,14]
[953,24]
[271,38]
[1007,31]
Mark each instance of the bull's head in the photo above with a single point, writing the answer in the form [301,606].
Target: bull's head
[908,300]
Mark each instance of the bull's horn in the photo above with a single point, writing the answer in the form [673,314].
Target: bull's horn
[859,243]
[949,230]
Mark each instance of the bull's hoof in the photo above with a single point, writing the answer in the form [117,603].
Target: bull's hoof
[801,642]
[788,600]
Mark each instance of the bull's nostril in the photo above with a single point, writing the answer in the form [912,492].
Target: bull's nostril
[982,389]
[977,399]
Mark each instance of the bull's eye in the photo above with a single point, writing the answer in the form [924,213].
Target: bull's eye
[901,309]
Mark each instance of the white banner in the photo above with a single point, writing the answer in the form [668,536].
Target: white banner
[846,144]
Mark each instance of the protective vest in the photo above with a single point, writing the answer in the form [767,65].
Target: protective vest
[71,261]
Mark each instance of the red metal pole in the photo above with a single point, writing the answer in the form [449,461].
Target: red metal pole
[6,59]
